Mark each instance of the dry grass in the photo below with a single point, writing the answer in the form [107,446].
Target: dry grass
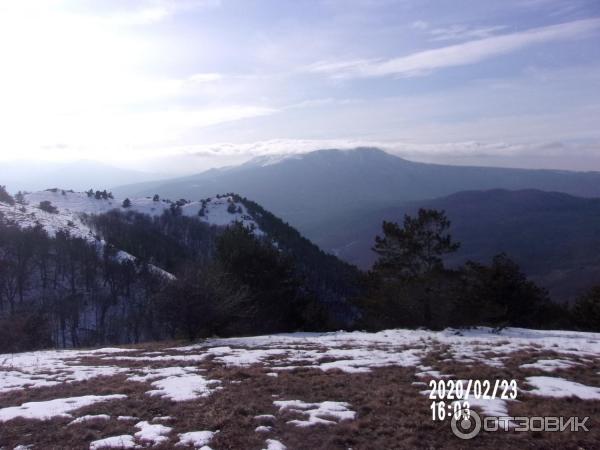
[391,411]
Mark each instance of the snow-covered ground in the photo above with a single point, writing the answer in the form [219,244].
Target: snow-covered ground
[392,347]
[70,206]
[60,407]
[194,373]
[67,218]
[217,211]
[51,368]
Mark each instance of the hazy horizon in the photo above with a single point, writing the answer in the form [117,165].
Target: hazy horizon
[79,175]
[175,88]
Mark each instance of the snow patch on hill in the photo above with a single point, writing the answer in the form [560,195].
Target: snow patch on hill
[67,219]
[30,215]
[223,211]
[71,206]
[218,211]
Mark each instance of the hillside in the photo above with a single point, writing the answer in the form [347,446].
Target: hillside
[74,204]
[554,237]
[83,268]
[219,211]
[316,188]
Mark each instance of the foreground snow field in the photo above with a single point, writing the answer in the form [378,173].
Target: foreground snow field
[301,390]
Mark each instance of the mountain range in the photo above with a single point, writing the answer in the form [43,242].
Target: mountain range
[314,188]
[547,220]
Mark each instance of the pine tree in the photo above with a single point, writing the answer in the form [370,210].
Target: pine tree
[47,206]
[410,258]
[156,198]
[5,197]
[586,311]
[20,198]
[267,275]
[126,203]
[417,248]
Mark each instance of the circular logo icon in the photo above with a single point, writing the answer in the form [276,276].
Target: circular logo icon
[467,425]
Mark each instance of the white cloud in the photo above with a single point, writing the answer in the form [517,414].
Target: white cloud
[456,55]
[79,80]
[99,80]
[119,13]
[456,32]
[152,11]
[205,77]
[460,32]
[276,147]
[113,134]
[420,25]
[144,16]
[342,69]
[544,154]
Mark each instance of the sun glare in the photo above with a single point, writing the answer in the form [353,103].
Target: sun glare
[64,76]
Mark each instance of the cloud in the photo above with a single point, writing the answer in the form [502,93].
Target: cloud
[145,12]
[342,69]
[144,16]
[276,147]
[555,8]
[420,25]
[118,135]
[205,77]
[460,32]
[544,154]
[456,32]
[457,55]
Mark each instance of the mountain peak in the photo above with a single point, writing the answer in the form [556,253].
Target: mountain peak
[372,152]
[356,153]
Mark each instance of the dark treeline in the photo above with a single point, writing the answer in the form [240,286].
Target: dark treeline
[409,286]
[248,287]
[167,241]
[332,280]
[65,291]
[229,279]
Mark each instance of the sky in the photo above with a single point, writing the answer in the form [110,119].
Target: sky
[179,86]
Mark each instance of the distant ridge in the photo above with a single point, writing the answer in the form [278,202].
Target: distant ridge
[553,236]
[313,188]
[78,175]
